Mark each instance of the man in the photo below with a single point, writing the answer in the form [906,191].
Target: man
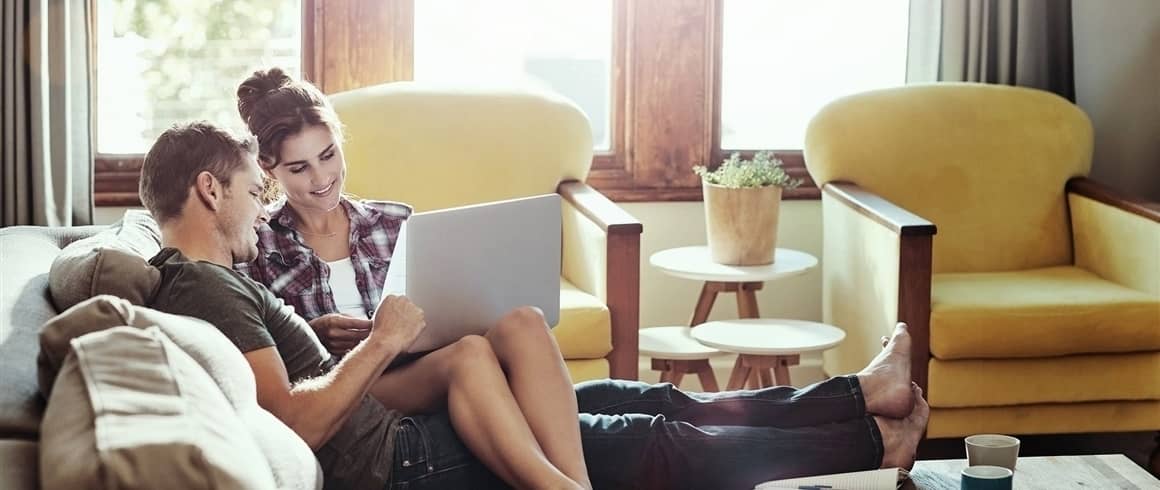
[203,185]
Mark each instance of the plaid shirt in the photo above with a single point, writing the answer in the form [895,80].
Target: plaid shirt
[297,275]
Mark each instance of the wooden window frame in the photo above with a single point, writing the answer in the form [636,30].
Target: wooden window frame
[655,143]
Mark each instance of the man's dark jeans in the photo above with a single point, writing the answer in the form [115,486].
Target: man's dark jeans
[638,435]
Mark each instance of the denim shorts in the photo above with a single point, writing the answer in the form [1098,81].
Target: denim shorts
[430,455]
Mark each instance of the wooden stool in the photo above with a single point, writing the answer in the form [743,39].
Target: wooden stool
[674,353]
[766,347]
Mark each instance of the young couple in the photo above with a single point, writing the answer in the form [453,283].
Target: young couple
[487,411]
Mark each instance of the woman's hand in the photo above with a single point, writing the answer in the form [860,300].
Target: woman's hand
[340,333]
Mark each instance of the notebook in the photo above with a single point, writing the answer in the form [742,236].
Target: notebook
[881,479]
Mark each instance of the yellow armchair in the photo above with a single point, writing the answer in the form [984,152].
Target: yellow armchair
[437,147]
[1036,307]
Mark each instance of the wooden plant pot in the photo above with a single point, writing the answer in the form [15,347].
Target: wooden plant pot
[741,223]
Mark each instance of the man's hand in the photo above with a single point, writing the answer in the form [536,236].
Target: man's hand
[397,321]
[340,333]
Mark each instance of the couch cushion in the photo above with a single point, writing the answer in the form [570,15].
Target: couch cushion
[1063,379]
[19,458]
[292,462]
[585,327]
[26,252]
[131,409]
[1036,313]
[111,262]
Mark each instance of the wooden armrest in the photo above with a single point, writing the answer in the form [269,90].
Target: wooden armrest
[916,247]
[622,273]
[598,208]
[1094,190]
[884,212]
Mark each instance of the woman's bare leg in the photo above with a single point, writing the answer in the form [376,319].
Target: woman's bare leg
[466,378]
[540,382]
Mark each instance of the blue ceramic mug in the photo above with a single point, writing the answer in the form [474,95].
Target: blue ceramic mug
[987,478]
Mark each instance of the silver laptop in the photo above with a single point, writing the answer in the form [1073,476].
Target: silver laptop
[466,267]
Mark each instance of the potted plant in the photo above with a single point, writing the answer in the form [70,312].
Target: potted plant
[742,199]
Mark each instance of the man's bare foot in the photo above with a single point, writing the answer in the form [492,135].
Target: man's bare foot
[900,437]
[886,381]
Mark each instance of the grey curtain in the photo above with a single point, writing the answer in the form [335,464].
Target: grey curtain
[46,172]
[1012,42]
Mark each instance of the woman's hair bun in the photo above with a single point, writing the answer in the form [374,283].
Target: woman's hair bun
[259,85]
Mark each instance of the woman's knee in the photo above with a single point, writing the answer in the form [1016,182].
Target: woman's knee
[522,325]
[470,352]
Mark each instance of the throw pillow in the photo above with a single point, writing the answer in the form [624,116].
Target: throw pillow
[290,459]
[114,261]
[132,410]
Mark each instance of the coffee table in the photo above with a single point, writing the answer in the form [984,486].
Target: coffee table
[1046,472]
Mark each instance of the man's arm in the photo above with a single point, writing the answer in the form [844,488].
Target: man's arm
[315,408]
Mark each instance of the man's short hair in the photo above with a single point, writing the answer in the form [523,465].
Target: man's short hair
[181,153]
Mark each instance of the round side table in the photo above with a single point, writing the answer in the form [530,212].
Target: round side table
[766,347]
[696,264]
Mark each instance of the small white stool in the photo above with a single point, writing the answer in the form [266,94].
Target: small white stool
[766,347]
[675,353]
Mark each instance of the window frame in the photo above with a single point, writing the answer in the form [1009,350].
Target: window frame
[655,144]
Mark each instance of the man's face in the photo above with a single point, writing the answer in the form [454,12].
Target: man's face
[242,212]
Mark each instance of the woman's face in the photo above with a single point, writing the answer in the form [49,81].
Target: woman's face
[311,169]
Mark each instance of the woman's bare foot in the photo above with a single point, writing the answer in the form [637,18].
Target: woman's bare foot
[900,437]
[886,381]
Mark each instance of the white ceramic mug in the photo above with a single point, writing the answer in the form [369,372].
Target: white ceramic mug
[992,450]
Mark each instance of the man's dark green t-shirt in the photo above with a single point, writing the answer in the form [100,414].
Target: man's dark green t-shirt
[360,453]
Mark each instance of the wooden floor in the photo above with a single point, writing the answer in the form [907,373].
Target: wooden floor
[1137,446]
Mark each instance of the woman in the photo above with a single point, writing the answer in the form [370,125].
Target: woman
[326,255]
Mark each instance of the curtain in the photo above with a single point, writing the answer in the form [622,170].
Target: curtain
[1012,42]
[46,168]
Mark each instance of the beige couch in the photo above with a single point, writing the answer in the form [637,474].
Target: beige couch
[26,253]
[109,394]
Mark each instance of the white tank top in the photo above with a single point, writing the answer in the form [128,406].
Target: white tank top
[345,290]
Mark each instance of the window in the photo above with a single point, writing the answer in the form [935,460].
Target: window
[160,62]
[562,45]
[784,60]
[667,85]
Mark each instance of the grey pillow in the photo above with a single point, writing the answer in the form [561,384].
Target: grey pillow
[114,261]
[288,457]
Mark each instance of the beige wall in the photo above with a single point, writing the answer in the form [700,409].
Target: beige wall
[1117,79]
[108,215]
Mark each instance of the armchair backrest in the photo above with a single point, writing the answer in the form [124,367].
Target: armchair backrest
[436,146]
[987,164]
